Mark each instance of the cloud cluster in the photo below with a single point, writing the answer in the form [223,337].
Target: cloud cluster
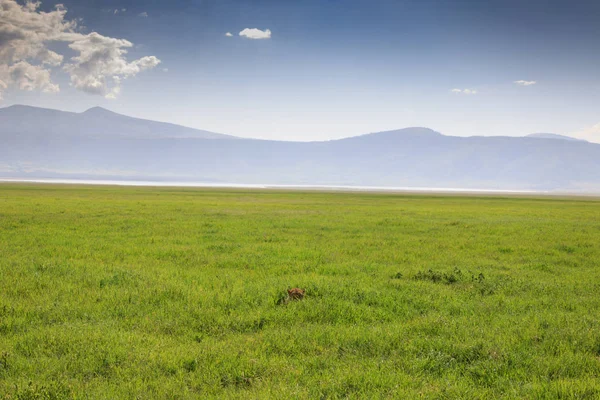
[100,60]
[3,87]
[253,33]
[464,91]
[591,134]
[525,83]
[27,77]
[26,62]
[474,91]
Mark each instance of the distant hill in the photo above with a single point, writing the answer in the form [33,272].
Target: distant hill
[32,122]
[99,144]
[552,136]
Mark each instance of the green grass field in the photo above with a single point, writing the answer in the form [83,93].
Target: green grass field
[122,293]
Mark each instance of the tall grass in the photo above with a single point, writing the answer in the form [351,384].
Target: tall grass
[109,293]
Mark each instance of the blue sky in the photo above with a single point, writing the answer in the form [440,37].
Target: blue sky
[337,68]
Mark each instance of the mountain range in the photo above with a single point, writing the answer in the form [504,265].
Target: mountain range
[100,144]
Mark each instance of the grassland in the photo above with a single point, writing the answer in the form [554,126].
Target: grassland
[121,293]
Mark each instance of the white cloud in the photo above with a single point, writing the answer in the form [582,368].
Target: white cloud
[101,61]
[26,61]
[115,90]
[229,34]
[253,33]
[24,32]
[525,83]
[3,87]
[31,77]
[143,14]
[165,69]
[591,134]
[464,91]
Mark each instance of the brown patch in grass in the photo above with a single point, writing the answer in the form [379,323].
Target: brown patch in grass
[296,294]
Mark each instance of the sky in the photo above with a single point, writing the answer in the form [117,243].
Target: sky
[312,69]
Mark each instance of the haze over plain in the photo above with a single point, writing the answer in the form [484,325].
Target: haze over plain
[101,144]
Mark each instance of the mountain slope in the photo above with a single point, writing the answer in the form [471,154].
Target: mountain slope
[552,136]
[416,157]
[32,122]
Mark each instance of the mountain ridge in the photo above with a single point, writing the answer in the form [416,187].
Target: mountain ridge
[98,143]
[553,136]
[95,121]
[98,111]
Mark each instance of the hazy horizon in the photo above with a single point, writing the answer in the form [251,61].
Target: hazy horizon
[543,135]
[312,70]
[98,144]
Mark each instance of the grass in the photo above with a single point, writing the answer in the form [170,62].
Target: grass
[120,293]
